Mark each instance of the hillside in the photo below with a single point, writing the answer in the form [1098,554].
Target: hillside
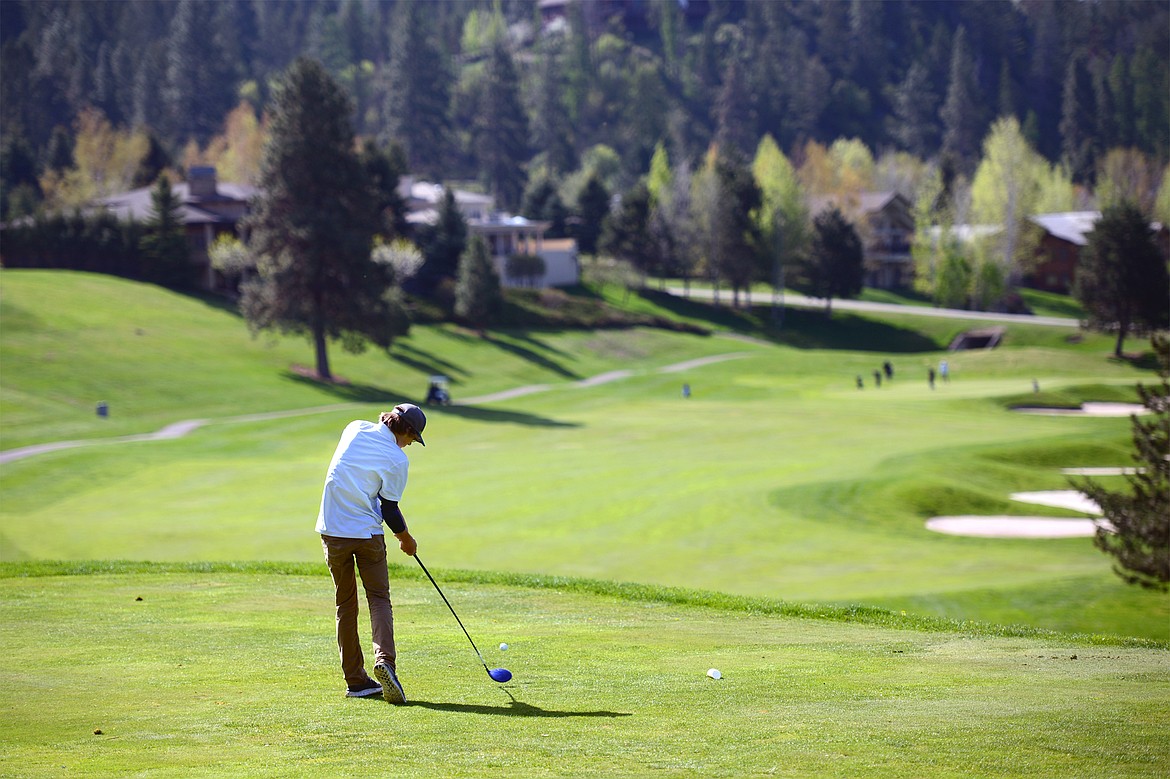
[776,478]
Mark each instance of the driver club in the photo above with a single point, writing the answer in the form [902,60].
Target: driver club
[497,674]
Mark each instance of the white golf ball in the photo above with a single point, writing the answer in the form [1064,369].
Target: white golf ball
[503,647]
[714,673]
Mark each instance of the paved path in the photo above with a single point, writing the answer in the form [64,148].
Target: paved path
[180,429]
[801,301]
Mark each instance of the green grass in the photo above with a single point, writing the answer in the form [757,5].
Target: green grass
[776,479]
[234,673]
[622,539]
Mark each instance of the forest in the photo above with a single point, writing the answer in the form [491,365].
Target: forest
[553,106]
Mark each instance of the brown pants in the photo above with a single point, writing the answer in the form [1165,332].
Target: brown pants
[370,556]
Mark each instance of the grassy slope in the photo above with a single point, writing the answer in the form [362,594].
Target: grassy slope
[777,478]
[234,674]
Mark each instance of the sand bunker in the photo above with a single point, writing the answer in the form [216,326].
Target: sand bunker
[1028,527]
[1087,410]
[1014,527]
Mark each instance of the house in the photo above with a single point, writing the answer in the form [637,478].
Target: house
[885,224]
[504,233]
[208,209]
[1064,237]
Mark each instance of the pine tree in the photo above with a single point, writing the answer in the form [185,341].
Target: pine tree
[164,245]
[961,115]
[477,292]
[500,135]
[1078,123]
[915,121]
[834,266]
[593,207]
[418,99]
[735,129]
[1138,530]
[442,244]
[312,229]
[626,234]
[1122,277]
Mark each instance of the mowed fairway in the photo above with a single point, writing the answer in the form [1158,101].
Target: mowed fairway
[777,477]
[788,505]
[174,674]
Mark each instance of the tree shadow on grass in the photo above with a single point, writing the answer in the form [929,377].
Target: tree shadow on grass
[425,362]
[531,355]
[354,393]
[801,328]
[490,415]
[514,709]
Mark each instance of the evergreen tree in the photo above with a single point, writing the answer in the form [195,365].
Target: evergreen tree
[500,135]
[199,87]
[312,229]
[478,298]
[418,99]
[626,231]
[914,124]
[1078,123]
[1121,93]
[962,118]
[442,244]
[1150,74]
[385,167]
[592,207]
[1122,278]
[834,267]
[19,189]
[1138,530]
[551,131]
[164,244]
[543,203]
[735,130]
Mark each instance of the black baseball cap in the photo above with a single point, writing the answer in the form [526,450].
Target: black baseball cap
[413,416]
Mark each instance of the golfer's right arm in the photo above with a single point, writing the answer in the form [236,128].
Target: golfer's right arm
[392,516]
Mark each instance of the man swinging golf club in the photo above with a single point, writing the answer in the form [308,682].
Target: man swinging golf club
[365,481]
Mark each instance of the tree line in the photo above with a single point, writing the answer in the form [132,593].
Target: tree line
[486,90]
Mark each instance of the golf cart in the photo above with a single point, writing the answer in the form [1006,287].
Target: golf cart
[437,393]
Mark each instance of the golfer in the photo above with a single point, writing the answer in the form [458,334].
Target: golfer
[366,479]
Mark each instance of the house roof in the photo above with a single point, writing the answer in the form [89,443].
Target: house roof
[138,205]
[867,202]
[428,192]
[1071,226]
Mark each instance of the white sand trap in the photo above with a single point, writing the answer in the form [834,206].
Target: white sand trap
[1061,499]
[1013,527]
[1101,471]
[1088,410]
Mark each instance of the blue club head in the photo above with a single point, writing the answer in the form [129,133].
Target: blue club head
[500,674]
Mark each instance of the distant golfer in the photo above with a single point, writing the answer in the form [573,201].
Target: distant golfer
[366,479]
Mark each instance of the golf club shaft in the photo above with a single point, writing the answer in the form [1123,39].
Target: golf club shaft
[453,614]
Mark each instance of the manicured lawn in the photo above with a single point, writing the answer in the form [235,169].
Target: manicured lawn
[221,673]
[776,478]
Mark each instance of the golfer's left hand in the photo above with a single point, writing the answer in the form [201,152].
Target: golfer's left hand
[406,543]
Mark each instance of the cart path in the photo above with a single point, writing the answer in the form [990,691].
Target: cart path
[180,429]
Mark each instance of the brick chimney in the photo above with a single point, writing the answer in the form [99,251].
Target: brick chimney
[201,182]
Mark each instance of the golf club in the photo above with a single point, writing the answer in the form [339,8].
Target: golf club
[497,674]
